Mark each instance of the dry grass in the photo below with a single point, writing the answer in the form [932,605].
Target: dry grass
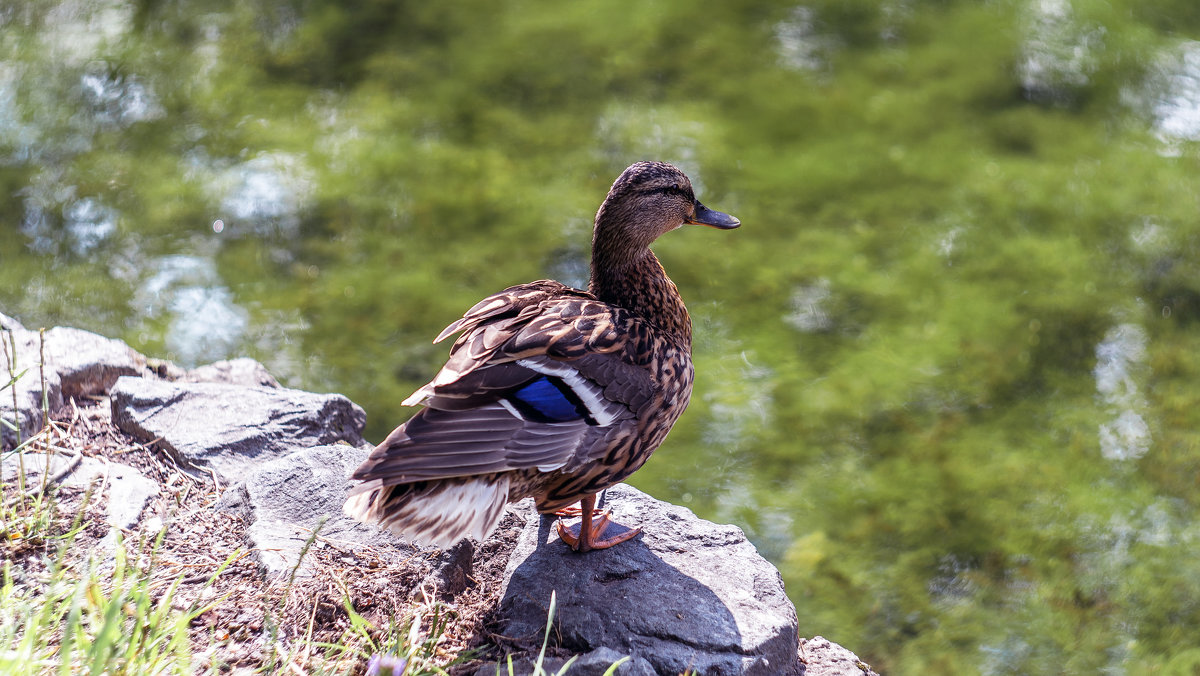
[190,563]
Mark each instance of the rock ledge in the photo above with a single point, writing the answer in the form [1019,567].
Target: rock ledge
[686,594]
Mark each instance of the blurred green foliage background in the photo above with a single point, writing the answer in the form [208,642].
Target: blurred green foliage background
[947,371]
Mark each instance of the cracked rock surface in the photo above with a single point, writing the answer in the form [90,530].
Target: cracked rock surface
[230,429]
[685,594]
[283,500]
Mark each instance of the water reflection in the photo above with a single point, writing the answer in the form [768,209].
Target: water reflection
[83,226]
[265,194]
[770,528]
[809,304]
[203,322]
[1058,54]
[116,100]
[16,135]
[76,30]
[739,412]
[1120,364]
[801,44]
[626,131]
[88,223]
[37,229]
[1117,551]
[741,406]
[948,243]
[570,265]
[953,583]
[1150,238]
[999,658]
[1177,110]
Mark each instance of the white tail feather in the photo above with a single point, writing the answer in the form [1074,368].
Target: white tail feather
[439,514]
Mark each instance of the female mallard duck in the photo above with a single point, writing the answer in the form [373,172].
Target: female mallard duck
[549,392]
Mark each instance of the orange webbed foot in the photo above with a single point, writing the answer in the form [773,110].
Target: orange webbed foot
[595,530]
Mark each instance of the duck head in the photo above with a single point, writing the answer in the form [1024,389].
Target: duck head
[647,200]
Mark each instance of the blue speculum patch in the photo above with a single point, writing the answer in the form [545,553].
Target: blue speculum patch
[549,400]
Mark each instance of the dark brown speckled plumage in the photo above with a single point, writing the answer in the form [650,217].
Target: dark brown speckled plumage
[620,354]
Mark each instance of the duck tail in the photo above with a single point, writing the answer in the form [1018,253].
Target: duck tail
[437,513]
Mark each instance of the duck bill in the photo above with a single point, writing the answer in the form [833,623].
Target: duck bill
[713,219]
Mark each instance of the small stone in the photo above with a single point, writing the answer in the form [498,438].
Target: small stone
[822,657]
[129,491]
[597,663]
[452,570]
[524,666]
[242,371]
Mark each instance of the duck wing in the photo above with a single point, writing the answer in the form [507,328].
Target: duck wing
[540,373]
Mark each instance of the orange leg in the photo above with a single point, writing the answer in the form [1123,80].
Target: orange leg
[590,534]
[574,512]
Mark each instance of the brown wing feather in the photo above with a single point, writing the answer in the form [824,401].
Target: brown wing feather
[510,302]
[546,319]
[506,339]
[437,444]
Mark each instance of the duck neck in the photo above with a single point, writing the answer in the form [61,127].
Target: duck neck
[639,284]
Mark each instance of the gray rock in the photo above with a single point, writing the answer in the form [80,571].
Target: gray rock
[10,323]
[241,371]
[230,429]
[38,465]
[452,569]
[825,658]
[686,594]
[283,500]
[78,363]
[21,406]
[523,666]
[87,363]
[126,490]
[597,662]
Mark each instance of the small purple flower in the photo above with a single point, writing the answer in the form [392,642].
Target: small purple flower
[382,664]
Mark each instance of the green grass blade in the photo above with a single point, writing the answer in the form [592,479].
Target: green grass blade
[613,669]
